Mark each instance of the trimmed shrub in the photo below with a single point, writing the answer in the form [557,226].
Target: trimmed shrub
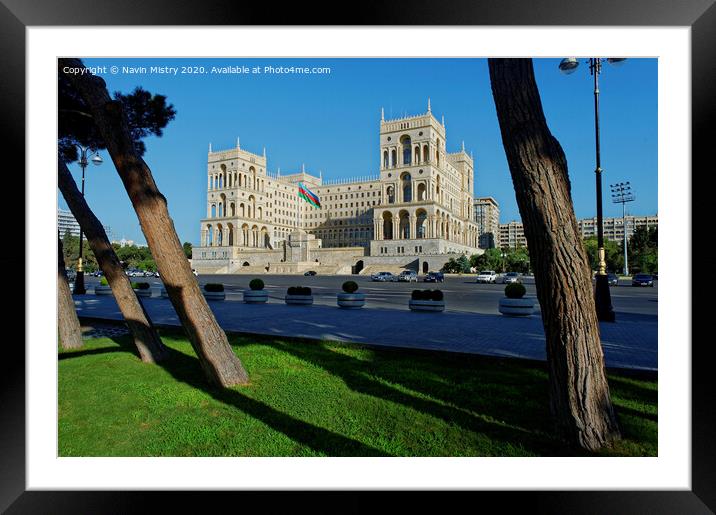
[515,291]
[213,287]
[350,286]
[104,282]
[299,290]
[256,284]
[141,286]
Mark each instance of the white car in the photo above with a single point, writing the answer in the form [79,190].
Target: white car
[408,276]
[486,276]
[511,277]
[383,277]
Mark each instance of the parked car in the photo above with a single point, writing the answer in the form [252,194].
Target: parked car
[382,277]
[97,273]
[408,276]
[511,277]
[193,271]
[486,276]
[148,274]
[156,274]
[612,279]
[642,280]
[434,277]
[310,272]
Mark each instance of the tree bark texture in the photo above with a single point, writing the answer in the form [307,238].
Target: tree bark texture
[221,366]
[150,346]
[579,392]
[68,325]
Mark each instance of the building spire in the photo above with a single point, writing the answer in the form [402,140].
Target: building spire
[210,147]
[443,120]
[382,114]
[279,172]
[303,168]
[264,151]
[429,109]
[238,144]
[463,145]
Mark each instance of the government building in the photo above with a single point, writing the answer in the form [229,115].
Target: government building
[415,213]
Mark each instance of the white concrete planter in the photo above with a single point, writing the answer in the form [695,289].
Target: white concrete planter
[214,295]
[143,293]
[426,305]
[516,307]
[255,296]
[299,300]
[102,290]
[351,300]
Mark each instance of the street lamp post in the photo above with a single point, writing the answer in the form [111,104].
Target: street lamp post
[80,277]
[602,297]
[621,194]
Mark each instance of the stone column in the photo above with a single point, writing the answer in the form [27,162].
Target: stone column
[396,228]
[413,226]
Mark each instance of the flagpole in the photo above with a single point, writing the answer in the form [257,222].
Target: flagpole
[298,208]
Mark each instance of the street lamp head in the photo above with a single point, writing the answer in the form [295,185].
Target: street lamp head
[616,61]
[568,65]
[97,159]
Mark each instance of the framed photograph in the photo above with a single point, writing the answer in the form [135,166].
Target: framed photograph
[293,158]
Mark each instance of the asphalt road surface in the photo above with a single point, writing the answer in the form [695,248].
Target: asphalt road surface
[462,294]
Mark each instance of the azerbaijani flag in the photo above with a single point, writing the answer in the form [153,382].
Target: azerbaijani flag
[308,196]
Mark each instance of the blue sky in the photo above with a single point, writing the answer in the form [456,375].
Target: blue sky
[330,122]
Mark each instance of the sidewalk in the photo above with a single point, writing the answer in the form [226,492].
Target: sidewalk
[629,343]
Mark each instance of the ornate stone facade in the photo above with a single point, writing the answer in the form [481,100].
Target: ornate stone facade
[420,203]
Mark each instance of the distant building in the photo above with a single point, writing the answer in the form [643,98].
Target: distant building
[487,217]
[513,235]
[124,243]
[66,222]
[614,227]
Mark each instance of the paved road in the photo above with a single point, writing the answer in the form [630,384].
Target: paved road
[470,324]
[462,294]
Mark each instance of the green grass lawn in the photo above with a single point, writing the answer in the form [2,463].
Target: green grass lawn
[322,399]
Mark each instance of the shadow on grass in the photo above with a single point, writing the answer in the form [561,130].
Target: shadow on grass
[466,392]
[186,369]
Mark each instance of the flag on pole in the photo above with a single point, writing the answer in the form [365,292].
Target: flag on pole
[308,196]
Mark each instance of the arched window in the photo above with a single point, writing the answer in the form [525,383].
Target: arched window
[421,191]
[425,153]
[404,225]
[407,146]
[393,158]
[407,186]
[385,159]
[390,191]
[420,224]
[387,225]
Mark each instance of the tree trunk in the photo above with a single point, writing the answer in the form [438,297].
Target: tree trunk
[221,366]
[579,393]
[68,325]
[150,346]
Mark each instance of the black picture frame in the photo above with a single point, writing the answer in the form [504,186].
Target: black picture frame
[16,15]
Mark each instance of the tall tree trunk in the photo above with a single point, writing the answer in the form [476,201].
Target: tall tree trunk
[579,393]
[221,366]
[150,346]
[68,325]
